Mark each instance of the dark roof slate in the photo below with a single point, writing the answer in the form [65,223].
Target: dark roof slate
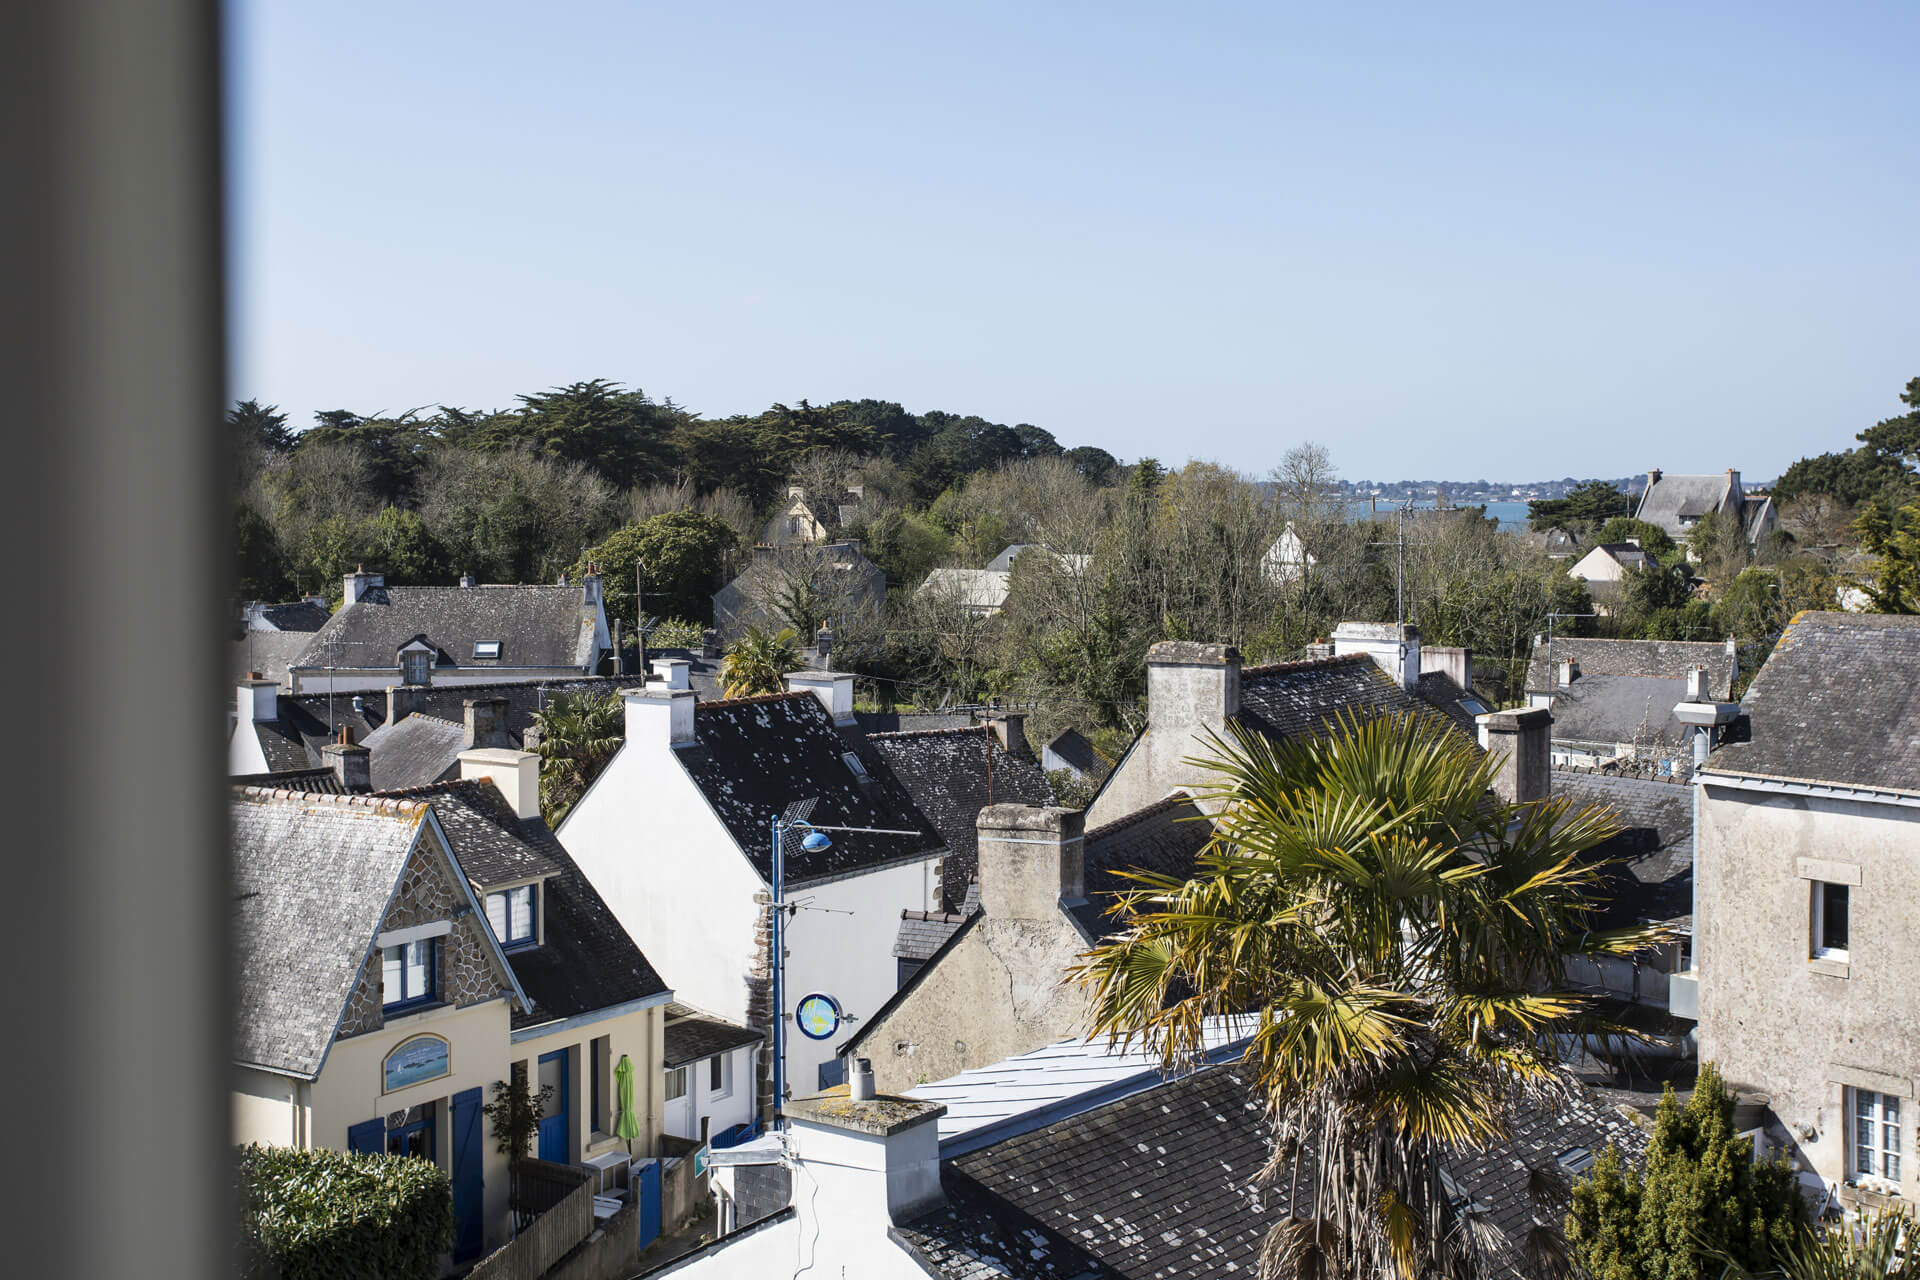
[691,1039]
[912,721]
[753,756]
[1836,702]
[418,750]
[1665,659]
[1615,709]
[295,615]
[952,774]
[1071,747]
[1165,838]
[1651,879]
[321,780]
[268,652]
[1287,699]
[536,626]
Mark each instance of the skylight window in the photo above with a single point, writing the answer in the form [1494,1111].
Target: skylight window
[1473,706]
[1576,1159]
[486,648]
[853,763]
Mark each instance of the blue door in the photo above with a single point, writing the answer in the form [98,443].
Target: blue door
[555,1121]
[469,1226]
[649,1202]
[368,1138]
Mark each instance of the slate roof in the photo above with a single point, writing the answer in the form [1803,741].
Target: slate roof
[1651,881]
[691,1038]
[267,652]
[924,932]
[536,626]
[587,960]
[1614,709]
[1836,702]
[311,877]
[1165,838]
[912,721]
[1163,1183]
[1669,498]
[753,756]
[1286,699]
[1667,659]
[952,774]
[322,780]
[1754,510]
[418,750]
[295,615]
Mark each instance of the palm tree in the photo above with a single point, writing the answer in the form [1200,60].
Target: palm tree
[1885,1246]
[579,732]
[1395,940]
[756,662]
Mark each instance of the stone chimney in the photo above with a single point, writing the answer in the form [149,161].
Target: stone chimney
[673,673]
[1030,858]
[1394,647]
[1191,687]
[1653,477]
[516,773]
[823,645]
[1010,727]
[709,643]
[590,587]
[486,720]
[257,699]
[874,1162]
[359,583]
[1523,740]
[350,762]
[833,688]
[662,717]
[404,700]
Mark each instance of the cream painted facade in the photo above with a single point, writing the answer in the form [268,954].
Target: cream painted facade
[1807,1029]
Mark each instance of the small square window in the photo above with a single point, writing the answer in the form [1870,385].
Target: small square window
[1830,903]
[407,973]
[486,648]
[512,914]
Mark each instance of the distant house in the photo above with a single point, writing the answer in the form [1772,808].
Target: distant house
[1287,560]
[454,636]
[984,591]
[1605,568]
[1615,700]
[834,577]
[1808,874]
[676,835]
[1677,504]
[1071,751]
[1556,542]
[804,521]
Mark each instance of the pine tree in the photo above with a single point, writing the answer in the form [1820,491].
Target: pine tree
[1702,1193]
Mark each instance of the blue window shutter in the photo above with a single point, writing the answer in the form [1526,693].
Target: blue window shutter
[368,1138]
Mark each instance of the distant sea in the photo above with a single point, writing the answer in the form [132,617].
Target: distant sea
[1511,515]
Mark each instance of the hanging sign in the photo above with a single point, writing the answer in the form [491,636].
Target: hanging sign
[818,1016]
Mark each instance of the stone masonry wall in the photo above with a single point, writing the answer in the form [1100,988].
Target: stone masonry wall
[760,1011]
[466,975]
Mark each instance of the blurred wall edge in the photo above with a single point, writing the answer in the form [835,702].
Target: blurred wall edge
[111,573]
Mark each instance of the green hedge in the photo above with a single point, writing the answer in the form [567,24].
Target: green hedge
[316,1215]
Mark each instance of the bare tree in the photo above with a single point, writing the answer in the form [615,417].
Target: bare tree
[1306,488]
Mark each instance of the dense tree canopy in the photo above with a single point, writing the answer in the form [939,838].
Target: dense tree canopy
[1586,508]
[1883,466]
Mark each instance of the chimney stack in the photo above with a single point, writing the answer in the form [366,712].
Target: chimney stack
[359,584]
[833,688]
[823,645]
[466,580]
[1394,647]
[1010,727]
[516,773]
[709,643]
[1653,477]
[1524,741]
[674,673]
[860,1080]
[1567,671]
[486,720]
[257,699]
[350,762]
[659,717]
[874,1161]
[1031,857]
[1697,684]
[404,700]
[590,586]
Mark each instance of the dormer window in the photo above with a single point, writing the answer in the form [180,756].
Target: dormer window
[407,974]
[416,667]
[514,915]
[486,648]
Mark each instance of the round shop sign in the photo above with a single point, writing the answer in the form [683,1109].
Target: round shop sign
[817,1016]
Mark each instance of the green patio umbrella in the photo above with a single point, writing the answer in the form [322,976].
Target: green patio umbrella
[626,1128]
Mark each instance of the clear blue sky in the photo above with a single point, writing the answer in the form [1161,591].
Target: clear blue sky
[1513,242]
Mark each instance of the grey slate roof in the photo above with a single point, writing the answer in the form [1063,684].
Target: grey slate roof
[311,876]
[587,960]
[295,615]
[952,774]
[1651,881]
[912,721]
[537,627]
[322,779]
[1073,750]
[418,750]
[689,1039]
[753,756]
[1837,701]
[1613,709]
[267,652]
[1669,498]
[1164,838]
[1667,659]
[1162,1184]
[1286,699]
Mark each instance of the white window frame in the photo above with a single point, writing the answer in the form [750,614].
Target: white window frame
[722,1065]
[677,1075]
[1820,947]
[486,648]
[504,931]
[1875,1132]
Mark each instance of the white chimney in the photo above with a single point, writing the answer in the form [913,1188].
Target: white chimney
[466,580]
[1031,857]
[1697,684]
[875,1163]
[1394,647]
[860,1080]
[833,688]
[516,773]
[359,583]
[257,699]
[659,716]
[1192,687]
[1567,671]
[674,673]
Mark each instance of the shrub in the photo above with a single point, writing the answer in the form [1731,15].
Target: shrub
[321,1215]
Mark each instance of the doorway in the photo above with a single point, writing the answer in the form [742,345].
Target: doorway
[556,1115]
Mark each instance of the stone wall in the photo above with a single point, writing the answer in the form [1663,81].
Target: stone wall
[466,972]
[363,1007]
[760,999]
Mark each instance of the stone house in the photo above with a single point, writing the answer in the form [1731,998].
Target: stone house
[1616,700]
[400,956]
[1676,504]
[832,577]
[676,835]
[802,520]
[463,635]
[1807,867]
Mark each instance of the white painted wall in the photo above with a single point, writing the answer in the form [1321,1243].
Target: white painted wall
[646,838]
[243,750]
[843,946]
[719,1110]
